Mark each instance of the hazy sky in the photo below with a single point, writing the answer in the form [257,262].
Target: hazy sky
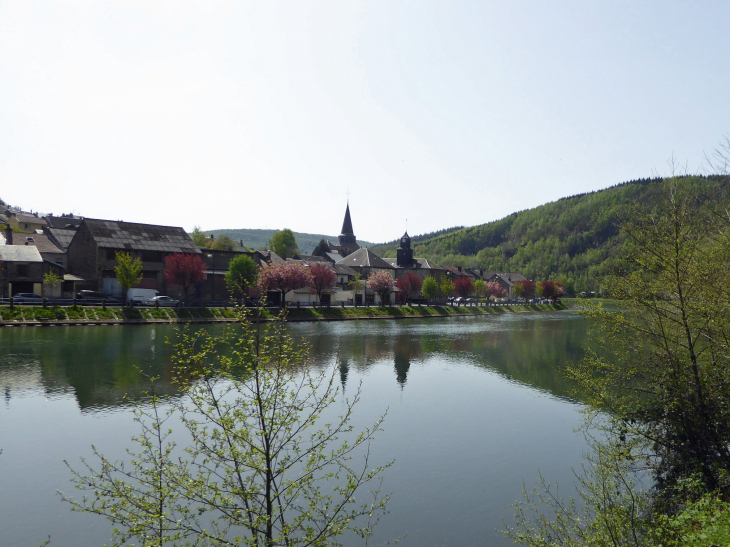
[262,114]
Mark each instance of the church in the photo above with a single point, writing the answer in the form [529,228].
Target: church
[364,261]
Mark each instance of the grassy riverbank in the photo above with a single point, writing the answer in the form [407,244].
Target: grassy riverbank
[92,315]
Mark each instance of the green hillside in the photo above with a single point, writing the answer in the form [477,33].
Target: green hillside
[258,239]
[576,238]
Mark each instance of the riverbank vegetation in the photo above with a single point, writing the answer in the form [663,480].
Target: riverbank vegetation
[658,389]
[32,314]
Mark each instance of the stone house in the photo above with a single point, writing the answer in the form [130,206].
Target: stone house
[92,252]
[21,270]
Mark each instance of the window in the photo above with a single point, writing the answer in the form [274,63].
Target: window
[151,256]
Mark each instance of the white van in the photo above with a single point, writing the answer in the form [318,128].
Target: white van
[141,296]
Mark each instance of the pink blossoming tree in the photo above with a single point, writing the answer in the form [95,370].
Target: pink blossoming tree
[323,278]
[382,284]
[283,277]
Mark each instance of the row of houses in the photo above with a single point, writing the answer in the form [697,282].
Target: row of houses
[82,251]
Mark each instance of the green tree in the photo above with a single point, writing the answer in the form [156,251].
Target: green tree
[447,287]
[659,383]
[128,271]
[358,284]
[223,243]
[321,248]
[51,282]
[242,273]
[198,237]
[263,466]
[518,290]
[430,288]
[284,243]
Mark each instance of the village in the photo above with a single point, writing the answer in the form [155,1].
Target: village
[82,254]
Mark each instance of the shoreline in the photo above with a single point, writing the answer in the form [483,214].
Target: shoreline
[183,316]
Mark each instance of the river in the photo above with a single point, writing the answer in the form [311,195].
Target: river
[476,406]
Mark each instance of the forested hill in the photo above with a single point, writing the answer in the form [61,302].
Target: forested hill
[258,239]
[576,240]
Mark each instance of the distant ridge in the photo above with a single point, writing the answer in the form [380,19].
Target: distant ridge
[258,239]
[575,239]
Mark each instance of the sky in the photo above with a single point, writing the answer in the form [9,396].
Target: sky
[271,114]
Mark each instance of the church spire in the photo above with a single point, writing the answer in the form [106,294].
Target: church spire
[347,223]
[347,240]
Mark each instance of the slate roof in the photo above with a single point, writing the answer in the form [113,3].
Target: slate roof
[365,258]
[39,241]
[455,271]
[342,269]
[508,277]
[61,237]
[63,222]
[140,237]
[418,263]
[19,253]
[30,219]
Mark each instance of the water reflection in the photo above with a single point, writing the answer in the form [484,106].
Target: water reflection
[102,366]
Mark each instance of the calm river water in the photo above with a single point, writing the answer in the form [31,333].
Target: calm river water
[476,406]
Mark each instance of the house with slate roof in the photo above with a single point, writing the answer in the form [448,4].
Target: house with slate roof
[26,221]
[61,237]
[92,252]
[21,270]
[506,280]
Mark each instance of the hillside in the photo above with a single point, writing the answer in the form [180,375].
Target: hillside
[577,238]
[258,239]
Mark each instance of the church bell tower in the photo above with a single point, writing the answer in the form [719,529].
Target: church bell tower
[405,253]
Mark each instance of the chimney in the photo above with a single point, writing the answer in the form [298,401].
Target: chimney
[459,268]
[9,235]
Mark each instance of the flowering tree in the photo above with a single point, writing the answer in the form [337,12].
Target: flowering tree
[463,286]
[323,278]
[184,270]
[526,288]
[410,284]
[284,277]
[549,289]
[382,283]
[495,289]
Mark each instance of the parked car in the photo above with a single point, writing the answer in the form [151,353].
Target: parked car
[27,297]
[460,300]
[163,301]
[471,300]
[90,295]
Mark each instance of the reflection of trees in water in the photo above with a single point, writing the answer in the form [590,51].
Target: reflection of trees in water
[101,365]
[104,364]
